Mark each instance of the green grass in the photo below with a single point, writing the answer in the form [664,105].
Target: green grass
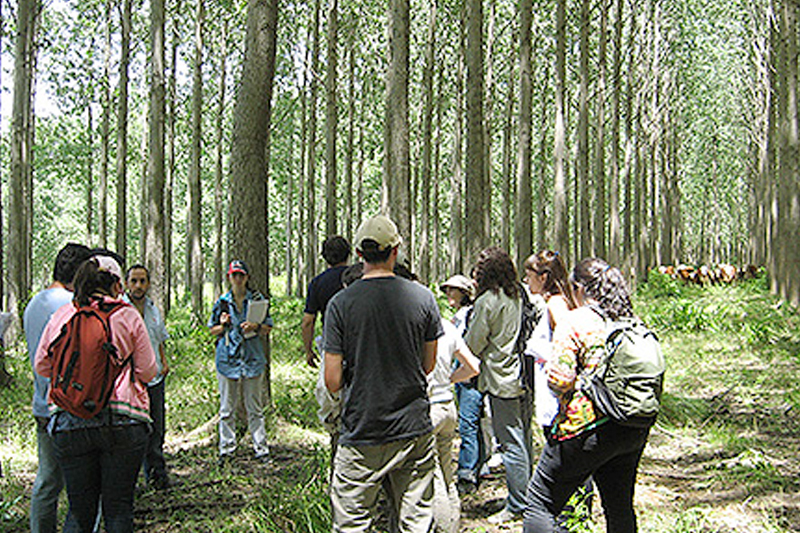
[729,425]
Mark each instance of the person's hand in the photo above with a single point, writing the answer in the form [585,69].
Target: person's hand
[225,319]
[312,358]
[559,379]
[249,327]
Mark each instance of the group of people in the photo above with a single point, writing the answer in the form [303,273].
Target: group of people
[98,458]
[388,363]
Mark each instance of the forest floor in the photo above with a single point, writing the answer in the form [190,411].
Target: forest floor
[723,457]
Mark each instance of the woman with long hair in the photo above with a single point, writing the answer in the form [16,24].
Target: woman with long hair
[582,442]
[546,275]
[101,456]
[492,333]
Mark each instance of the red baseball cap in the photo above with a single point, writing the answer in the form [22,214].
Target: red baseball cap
[237,265]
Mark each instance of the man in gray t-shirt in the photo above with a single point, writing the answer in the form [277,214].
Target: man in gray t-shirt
[380,343]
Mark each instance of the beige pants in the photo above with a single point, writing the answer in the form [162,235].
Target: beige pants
[446,503]
[406,470]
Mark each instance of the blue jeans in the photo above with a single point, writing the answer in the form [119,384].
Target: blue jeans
[155,468]
[471,454]
[48,484]
[511,420]
[610,454]
[101,464]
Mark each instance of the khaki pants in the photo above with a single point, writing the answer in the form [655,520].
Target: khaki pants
[446,503]
[405,468]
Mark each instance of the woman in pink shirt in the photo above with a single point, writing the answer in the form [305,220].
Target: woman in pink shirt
[100,456]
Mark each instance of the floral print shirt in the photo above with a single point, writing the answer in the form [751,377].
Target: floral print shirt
[578,344]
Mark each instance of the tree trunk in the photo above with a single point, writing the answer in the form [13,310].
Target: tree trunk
[524,221]
[560,238]
[302,212]
[288,218]
[251,120]
[488,85]
[21,153]
[122,130]
[457,259]
[172,103]
[474,196]
[582,174]
[508,182]
[331,119]
[105,133]
[312,253]
[219,198]
[351,135]
[89,169]
[250,137]
[438,183]
[427,144]
[614,227]
[599,208]
[541,188]
[154,251]
[787,256]
[396,202]
[630,150]
[194,251]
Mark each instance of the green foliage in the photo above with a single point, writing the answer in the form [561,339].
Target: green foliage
[298,501]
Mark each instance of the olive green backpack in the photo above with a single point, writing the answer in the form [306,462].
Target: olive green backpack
[627,383]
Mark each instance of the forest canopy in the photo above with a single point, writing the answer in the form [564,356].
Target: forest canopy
[650,133]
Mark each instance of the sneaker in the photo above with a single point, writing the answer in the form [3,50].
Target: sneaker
[264,458]
[503,516]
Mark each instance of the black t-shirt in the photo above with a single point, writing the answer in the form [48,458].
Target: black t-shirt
[380,326]
[322,288]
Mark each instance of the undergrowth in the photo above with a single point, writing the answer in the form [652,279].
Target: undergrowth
[732,353]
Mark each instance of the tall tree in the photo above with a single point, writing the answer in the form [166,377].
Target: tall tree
[248,163]
[788,203]
[614,225]
[172,103]
[396,201]
[524,220]
[250,138]
[599,189]
[457,253]
[154,231]
[582,174]
[476,232]
[122,127]
[427,142]
[105,129]
[331,118]
[351,134]
[560,210]
[219,249]
[194,251]
[21,152]
[312,253]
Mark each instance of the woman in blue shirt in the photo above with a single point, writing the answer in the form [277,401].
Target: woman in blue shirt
[240,360]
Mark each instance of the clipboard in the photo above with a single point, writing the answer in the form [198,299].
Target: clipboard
[257,311]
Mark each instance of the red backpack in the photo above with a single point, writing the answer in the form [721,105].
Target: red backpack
[85,361]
